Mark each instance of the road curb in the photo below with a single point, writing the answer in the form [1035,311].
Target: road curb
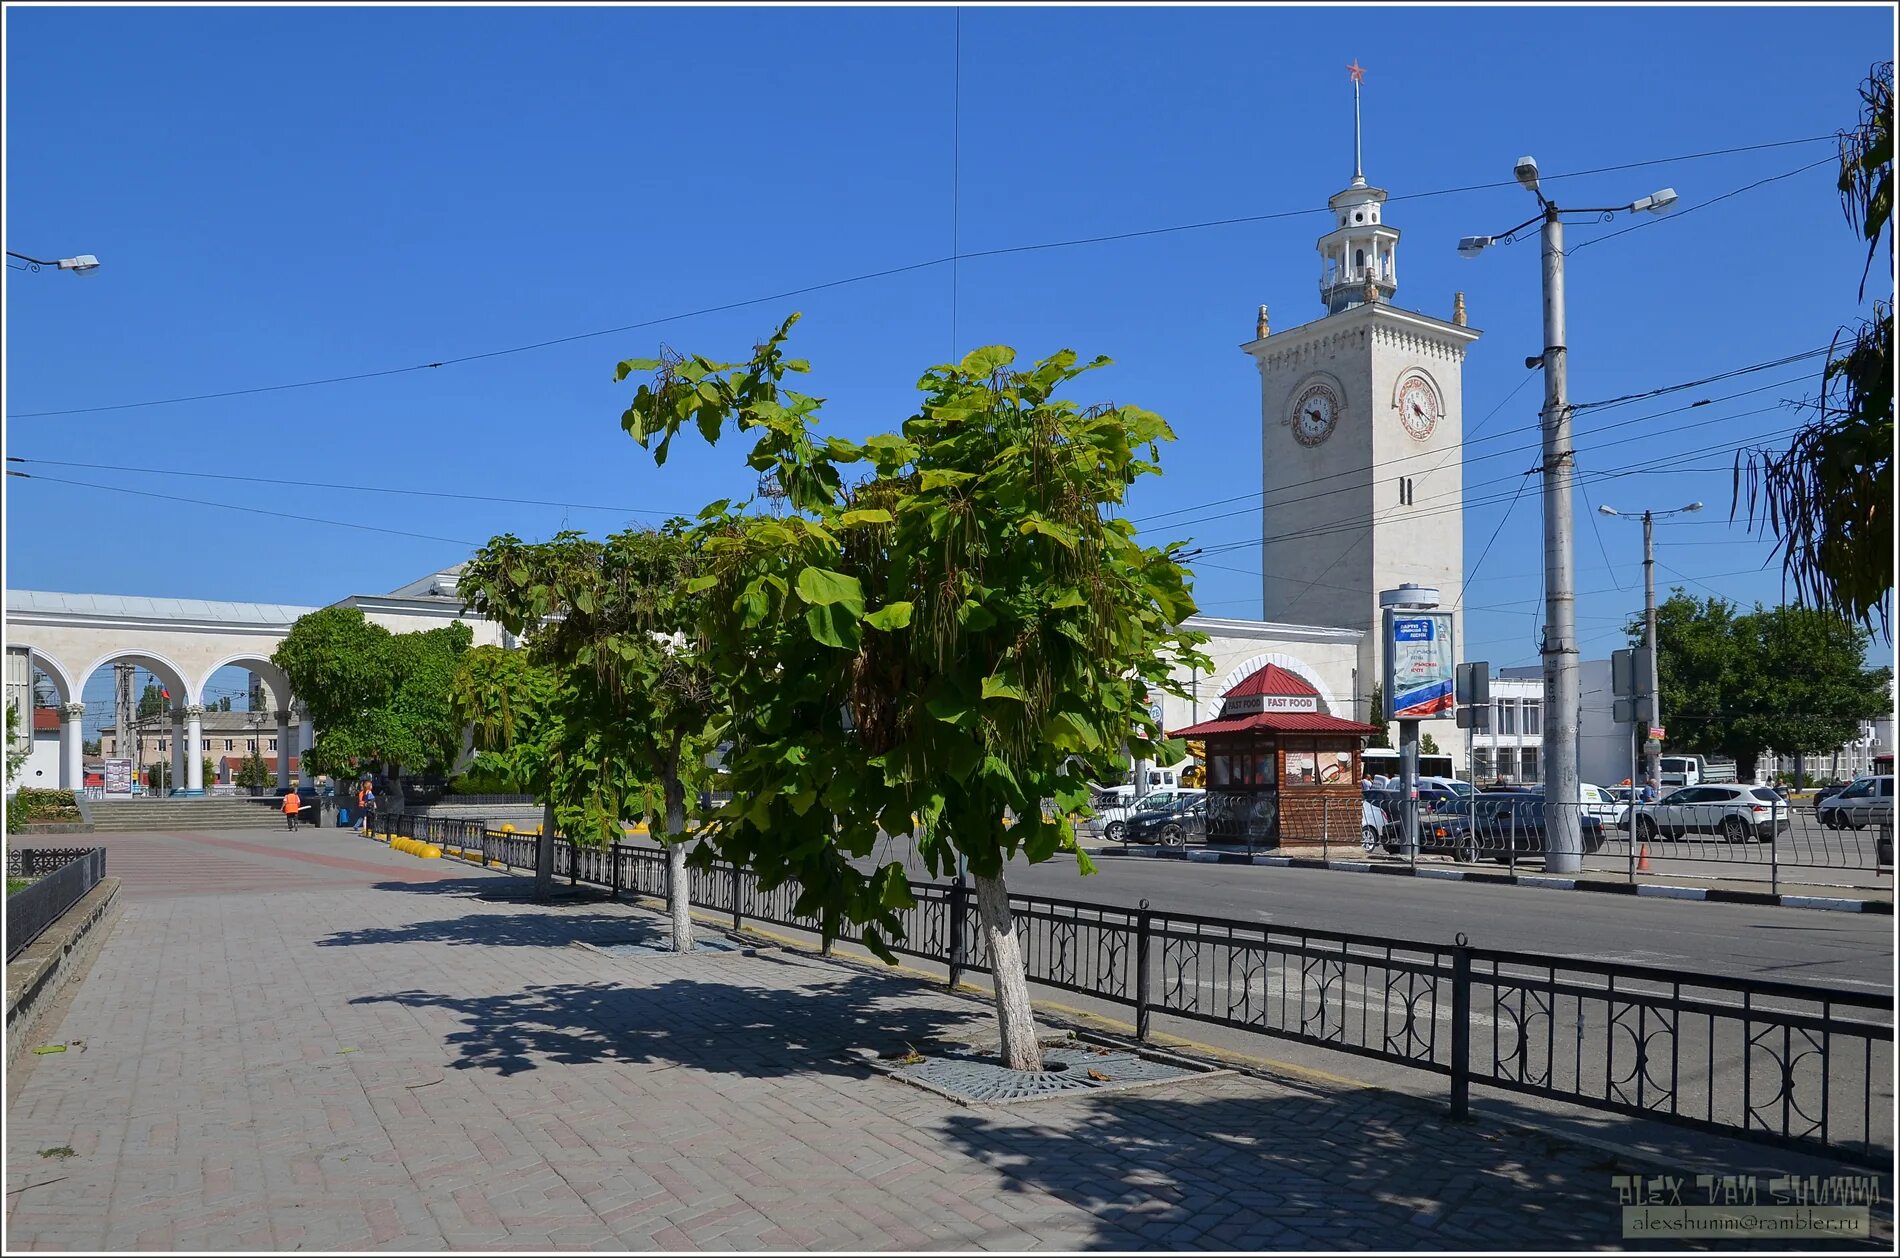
[1546,882]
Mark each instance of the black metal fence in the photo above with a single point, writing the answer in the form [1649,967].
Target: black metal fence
[1775,1062]
[61,876]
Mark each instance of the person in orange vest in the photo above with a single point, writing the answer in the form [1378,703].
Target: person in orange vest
[366,806]
[292,806]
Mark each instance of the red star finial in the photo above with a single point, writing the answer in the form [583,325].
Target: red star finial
[1357,71]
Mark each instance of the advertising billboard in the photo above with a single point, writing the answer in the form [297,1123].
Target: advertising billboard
[1419,666]
[118,777]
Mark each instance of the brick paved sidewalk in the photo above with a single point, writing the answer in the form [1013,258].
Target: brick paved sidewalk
[401,1063]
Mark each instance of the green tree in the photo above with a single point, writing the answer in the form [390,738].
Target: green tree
[224,704]
[1375,715]
[1791,679]
[1829,496]
[151,701]
[963,635]
[376,697]
[507,698]
[252,771]
[1427,745]
[635,700]
[158,775]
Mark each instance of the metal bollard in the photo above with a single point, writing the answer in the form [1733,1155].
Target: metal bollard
[736,922]
[1461,1029]
[1144,927]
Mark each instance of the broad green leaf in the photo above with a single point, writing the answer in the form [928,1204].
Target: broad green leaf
[981,362]
[949,708]
[865,515]
[890,616]
[630,365]
[821,587]
[937,478]
[833,627]
[1002,688]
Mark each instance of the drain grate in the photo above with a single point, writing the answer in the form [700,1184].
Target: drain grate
[982,1079]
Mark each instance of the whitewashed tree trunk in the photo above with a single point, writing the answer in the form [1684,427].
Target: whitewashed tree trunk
[1013,1015]
[544,855]
[679,887]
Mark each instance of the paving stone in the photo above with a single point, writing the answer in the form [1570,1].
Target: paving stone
[335,1047]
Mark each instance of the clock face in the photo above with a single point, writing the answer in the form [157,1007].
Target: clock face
[1315,413]
[1418,407]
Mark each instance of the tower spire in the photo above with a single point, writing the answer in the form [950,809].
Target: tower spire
[1358,73]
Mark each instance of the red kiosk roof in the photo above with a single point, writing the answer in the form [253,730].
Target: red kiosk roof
[1276,723]
[1273,680]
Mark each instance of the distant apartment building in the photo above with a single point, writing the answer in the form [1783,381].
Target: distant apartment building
[226,738]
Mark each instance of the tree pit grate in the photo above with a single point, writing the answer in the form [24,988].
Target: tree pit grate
[1070,1068]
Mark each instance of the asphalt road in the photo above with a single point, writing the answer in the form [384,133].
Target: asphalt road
[1853,950]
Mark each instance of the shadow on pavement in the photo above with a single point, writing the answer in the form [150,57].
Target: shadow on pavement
[541,927]
[1319,1171]
[718,1025]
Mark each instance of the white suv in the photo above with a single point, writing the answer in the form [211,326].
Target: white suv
[1737,813]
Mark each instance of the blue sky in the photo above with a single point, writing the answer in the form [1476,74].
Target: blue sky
[286,194]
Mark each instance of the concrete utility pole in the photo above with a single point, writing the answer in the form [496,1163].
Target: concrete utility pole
[1651,685]
[1563,692]
[1563,822]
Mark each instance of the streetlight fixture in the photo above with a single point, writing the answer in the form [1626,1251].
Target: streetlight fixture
[80,264]
[1562,690]
[1652,676]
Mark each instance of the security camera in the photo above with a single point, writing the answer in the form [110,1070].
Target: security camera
[1526,172]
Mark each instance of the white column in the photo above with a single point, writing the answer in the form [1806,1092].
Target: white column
[72,743]
[194,754]
[283,747]
[306,739]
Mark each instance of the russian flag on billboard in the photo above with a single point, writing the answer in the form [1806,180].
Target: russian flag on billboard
[1423,702]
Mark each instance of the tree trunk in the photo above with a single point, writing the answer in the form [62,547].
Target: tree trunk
[679,887]
[1013,1016]
[544,855]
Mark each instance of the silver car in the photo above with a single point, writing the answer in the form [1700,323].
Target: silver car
[1868,802]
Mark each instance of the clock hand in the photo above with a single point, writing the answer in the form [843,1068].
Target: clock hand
[1316,417]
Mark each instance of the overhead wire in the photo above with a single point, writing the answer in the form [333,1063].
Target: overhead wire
[884,273]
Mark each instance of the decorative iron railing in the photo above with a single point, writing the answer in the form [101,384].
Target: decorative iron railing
[1776,1062]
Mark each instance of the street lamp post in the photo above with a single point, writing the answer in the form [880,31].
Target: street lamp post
[82,264]
[1563,697]
[1652,676]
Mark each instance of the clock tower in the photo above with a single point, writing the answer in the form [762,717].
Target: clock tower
[1362,430]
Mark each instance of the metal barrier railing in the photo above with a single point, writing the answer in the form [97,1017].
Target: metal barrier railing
[1805,1067]
[61,878]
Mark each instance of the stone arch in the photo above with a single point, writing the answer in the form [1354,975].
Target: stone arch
[64,683]
[1241,672]
[272,676]
[165,670]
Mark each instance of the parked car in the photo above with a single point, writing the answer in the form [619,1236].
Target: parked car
[1826,793]
[1113,818]
[1866,802]
[1599,803]
[1170,823]
[1736,812]
[1444,823]
[1513,822]
[1453,786]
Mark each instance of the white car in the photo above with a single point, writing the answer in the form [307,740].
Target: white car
[1736,812]
[1373,823]
[1600,804]
[1869,801]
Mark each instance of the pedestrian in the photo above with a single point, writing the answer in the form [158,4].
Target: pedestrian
[292,806]
[366,806]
